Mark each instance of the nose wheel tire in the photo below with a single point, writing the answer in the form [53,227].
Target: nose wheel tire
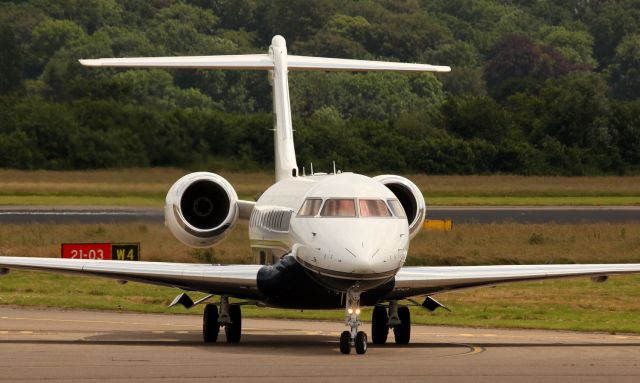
[361,342]
[345,342]
[379,326]
[233,330]
[210,325]
[402,331]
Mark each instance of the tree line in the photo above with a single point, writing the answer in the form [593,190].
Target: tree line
[544,87]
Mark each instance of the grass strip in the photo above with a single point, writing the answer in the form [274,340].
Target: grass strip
[147,187]
[576,304]
[579,305]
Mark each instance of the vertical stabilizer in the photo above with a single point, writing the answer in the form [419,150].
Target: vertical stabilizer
[285,154]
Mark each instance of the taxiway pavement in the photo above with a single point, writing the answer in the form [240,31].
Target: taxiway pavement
[64,346]
[459,214]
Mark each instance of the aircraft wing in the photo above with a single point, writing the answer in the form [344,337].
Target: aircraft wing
[235,280]
[414,281]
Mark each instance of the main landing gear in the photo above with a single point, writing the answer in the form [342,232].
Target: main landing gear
[229,316]
[353,338]
[398,318]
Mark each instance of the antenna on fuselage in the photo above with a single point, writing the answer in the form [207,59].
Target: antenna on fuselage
[311,168]
[304,173]
[334,167]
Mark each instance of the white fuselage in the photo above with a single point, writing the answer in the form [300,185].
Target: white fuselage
[356,249]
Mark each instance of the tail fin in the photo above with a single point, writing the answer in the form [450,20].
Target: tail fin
[278,63]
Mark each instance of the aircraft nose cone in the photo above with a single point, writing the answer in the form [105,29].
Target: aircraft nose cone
[367,248]
[365,255]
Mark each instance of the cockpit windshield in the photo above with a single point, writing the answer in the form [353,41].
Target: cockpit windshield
[339,207]
[310,207]
[397,208]
[373,208]
[346,207]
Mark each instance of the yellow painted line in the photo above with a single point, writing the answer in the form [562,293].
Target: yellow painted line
[473,349]
[26,332]
[96,321]
[158,332]
[476,350]
[4,332]
[540,337]
[182,332]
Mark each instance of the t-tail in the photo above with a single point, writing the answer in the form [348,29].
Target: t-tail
[278,63]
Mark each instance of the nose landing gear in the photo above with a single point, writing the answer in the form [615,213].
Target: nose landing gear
[353,338]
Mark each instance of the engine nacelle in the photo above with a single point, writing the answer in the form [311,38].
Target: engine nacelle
[201,209]
[410,198]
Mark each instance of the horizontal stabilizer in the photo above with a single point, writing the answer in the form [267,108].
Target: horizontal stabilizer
[259,61]
[330,64]
[262,62]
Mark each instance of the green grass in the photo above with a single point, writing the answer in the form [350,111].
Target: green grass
[578,304]
[71,200]
[148,187]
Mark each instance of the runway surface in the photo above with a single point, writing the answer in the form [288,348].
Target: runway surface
[68,346]
[461,214]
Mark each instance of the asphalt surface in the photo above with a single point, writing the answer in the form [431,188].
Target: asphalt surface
[64,346]
[462,214]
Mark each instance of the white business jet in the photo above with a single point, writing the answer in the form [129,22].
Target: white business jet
[322,241]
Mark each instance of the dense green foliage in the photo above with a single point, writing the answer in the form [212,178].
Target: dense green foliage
[537,87]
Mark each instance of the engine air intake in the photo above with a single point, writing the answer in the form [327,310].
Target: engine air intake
[201,208]
[410,198]
[205,204]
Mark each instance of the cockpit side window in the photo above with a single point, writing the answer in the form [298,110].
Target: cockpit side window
[396,208]
[339,207]
[310,207]
[373,208]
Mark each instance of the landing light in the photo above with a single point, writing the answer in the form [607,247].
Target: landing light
[350,311]
[357,311]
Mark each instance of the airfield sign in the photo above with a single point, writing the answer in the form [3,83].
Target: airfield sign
[101,251]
